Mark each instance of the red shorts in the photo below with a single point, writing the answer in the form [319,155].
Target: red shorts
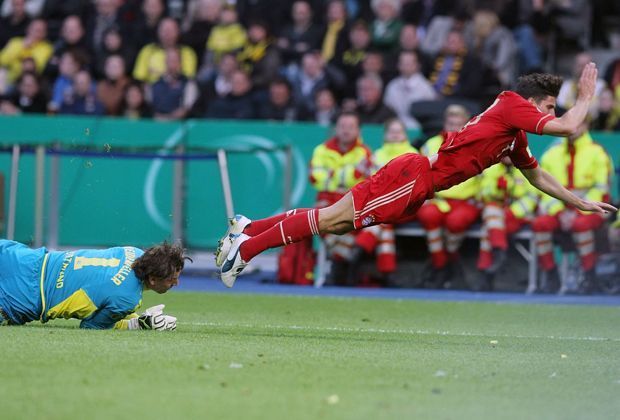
[395,193]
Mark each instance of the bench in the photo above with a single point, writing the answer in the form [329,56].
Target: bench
[415,230]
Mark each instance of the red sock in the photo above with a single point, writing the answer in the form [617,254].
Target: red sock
[289,230]
[259,226]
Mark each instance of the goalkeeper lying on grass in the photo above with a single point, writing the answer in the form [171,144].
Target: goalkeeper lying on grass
[103,288]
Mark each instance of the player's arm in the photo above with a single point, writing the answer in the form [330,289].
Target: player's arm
[152,319]
[567,124]
[542,180]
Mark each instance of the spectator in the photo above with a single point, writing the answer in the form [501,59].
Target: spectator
[151,61]
[583,166]
[227,36]
[259,57]
[55,11]
[337,165]
[533,23]
[31,7]
[203,15]
[568,91]
[612,77]
[238,104]
[280,106]
[104,18]
[421,13]
[275,12]
[411,86]
[28,98]
[409,41]
[336,31]
[437,33]
[32,45]
[134,102]
[71,37]
[325,109]
[173,95]
[218,84]
[608,118]
[386,27]
[456,72]
[111,89]
[350,62]
[69,66]
[299,37]
[83,100]
[494,45]
[314,75]
[370,107]
[13,24]
[113,44]
[375,63]
[146,27]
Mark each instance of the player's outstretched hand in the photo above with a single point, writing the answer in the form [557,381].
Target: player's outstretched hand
[597,207]
[587,82]
[155,319]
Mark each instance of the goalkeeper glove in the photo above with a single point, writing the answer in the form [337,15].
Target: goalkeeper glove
[155,319]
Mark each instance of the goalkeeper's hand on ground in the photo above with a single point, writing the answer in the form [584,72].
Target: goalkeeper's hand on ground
[155,319]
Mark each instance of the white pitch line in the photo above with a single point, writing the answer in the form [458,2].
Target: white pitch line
[394,331]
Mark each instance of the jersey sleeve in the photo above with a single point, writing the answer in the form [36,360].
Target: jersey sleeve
[103,319]
[521,156]
[110,314]
[521,114]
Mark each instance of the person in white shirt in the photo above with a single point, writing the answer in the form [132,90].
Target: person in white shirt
[411,86]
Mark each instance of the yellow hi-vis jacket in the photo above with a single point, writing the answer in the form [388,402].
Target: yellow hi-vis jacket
[507,185]
[334,171]
[389,151]
[585,169]
[464,191]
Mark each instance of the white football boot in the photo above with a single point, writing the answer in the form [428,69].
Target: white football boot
[233,264]
[236,226]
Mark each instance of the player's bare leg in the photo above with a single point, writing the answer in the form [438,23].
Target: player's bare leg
[337,219]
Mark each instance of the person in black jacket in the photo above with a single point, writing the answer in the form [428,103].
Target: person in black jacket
[280,106]
[238,104]
[28,98]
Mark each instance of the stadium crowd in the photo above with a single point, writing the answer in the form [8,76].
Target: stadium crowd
[288,60]
[412,64]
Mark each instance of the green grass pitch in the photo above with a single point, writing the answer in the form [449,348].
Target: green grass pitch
[281,357]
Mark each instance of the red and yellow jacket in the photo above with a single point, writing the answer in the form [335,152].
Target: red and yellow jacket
[506,185]
[389,151]
[334,172]
[584,168]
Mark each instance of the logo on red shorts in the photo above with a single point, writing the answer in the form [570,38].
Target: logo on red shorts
[368,220]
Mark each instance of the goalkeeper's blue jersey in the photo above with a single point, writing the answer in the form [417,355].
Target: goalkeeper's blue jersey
[97,286]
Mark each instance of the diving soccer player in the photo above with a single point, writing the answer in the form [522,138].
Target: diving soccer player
[396,191]
[103,288]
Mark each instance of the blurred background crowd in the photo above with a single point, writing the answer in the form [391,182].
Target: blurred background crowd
[302,60]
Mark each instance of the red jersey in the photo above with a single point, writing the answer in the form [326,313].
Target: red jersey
[497,132]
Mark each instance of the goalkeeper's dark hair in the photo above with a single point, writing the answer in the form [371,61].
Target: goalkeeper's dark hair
[539,85]
[160,261]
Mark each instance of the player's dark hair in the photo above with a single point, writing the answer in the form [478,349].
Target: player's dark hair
[539,85]
[160,261]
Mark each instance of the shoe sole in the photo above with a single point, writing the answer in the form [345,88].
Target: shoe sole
[224,244]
